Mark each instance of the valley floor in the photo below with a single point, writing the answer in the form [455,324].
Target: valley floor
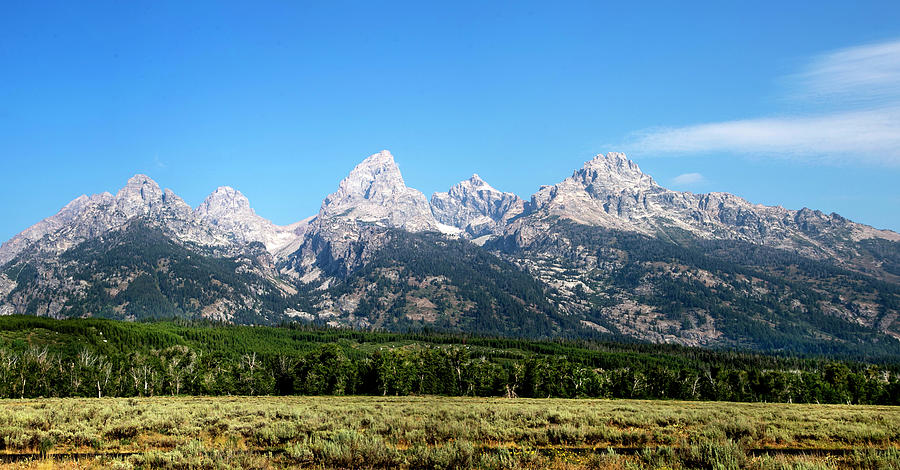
[441,432]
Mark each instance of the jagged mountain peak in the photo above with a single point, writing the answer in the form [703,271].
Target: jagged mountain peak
[601,192]
[228,209]
[141,186]
[374,192]
[611,191]
[473,183]
[87,217]
[224,199]
[382,157]
[376,178]
[141,195]
[615,171]
[141,179]
[378,166]
[476,180]
[609,157]
[475,207]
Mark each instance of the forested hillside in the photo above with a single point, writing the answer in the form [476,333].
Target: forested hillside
[139,272]
[44,357]
[425,279]
[677,287]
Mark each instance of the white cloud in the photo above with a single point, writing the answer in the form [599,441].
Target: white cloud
[870,72]
[688,179]
[863,136]
[866,77]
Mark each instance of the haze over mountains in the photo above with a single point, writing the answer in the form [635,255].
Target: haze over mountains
[607,251]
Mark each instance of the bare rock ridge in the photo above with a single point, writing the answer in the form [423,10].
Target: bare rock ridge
[348,228]
[65,216]
[611,191]
[229,210]
[374,192]
[87,217]
[476,207]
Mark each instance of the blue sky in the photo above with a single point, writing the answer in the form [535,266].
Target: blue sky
[793,104]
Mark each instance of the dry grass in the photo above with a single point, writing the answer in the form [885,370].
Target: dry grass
[441,432]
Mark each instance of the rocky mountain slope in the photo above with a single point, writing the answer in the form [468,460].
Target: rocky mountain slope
[612,192]
[229,210]
[607,251]
[476,207]
[88,217]
[375,193]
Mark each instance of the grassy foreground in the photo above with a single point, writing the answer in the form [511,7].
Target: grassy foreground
[441,432]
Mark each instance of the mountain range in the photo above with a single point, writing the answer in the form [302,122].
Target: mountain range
[607,252]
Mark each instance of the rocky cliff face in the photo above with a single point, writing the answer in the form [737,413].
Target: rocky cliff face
[63,218]
[230,211]
[475,207]
[88,217]
[612,192]
[352,221]
[374,193]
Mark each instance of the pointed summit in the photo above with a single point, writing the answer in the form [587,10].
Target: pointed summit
[141,186]
[613,172]
[224,200]
[143,196]
[376,178]
[476,182]
[377,166]
[65,216]
[609,157]
[383,157]
[139,195]
[607,190]
[139,179]
[613,162]
[475,206]
[229,210]
[374,192]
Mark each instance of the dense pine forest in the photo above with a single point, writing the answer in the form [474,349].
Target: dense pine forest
[41,357]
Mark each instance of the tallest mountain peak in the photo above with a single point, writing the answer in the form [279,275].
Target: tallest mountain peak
[375,192]
[141,196]
[140,190]
[139,180]
[383,155]
[378,167]
[380,160]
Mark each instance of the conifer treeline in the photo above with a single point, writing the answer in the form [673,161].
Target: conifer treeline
[48,358]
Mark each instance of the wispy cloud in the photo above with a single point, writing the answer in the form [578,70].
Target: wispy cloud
[864,80]
[864,73]
[863,136]
[688,179]
[159,163]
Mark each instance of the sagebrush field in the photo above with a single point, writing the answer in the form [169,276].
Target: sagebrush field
[442,432]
